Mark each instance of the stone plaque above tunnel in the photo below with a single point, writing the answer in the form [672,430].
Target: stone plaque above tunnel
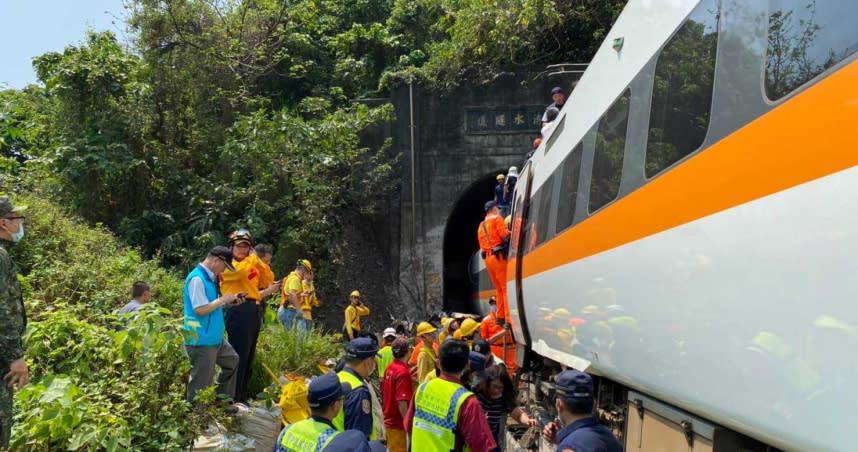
[503,120]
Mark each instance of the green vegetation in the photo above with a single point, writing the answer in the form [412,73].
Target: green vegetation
[218,114]
[94,387]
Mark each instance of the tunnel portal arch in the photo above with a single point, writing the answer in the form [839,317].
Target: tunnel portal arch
[460,242]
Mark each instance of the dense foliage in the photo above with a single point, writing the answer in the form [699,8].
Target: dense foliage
[225,113]
[219,114]
[94,386]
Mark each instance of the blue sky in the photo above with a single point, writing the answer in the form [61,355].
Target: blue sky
[29,28]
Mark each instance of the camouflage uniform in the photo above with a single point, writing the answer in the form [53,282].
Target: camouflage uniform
[13,321]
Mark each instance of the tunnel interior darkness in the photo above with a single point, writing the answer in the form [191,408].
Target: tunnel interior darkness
[460,242]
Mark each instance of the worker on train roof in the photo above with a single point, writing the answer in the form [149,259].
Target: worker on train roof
[574,404]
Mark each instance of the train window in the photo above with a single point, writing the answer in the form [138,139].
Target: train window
[540,212]
[682,90]
[569,187]
[806,38]
[555,133]
[610,149]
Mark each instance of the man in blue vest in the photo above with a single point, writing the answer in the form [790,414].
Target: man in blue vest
[356,413]
[325,397]
[203,306]
[574,404]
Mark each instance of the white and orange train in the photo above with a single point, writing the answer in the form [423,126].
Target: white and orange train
[688,232]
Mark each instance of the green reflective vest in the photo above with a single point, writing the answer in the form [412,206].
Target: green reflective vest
[308,435]
[340,421]
[385,357]
[436,415]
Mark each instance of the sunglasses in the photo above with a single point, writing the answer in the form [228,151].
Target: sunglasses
[15,218]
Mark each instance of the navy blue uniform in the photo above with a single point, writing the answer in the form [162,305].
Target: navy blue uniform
[357,407]
[586,435]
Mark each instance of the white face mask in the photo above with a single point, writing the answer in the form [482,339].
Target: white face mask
[493,308]
[17,236]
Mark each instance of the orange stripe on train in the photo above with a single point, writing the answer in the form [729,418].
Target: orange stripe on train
[808,137]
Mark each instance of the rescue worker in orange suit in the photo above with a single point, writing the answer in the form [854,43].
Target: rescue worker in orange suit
[243,322]
[493,236]
[498,337]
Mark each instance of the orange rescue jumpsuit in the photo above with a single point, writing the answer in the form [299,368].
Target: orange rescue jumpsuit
[491,233]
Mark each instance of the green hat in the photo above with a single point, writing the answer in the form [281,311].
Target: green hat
[6,206]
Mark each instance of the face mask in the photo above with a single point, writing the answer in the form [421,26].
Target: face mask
[493,308]
[17,236]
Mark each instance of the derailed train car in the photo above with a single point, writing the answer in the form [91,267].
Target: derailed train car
[688,232]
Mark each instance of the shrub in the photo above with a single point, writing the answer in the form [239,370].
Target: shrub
[284,353]
[95,386]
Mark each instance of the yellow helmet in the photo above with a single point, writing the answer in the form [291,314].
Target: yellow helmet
[355,294]
[468,327]
[446,321]
[500,177]
[304,263]
[425,328]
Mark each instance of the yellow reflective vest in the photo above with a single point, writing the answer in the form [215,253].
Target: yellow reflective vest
[308,435]
[340,421]
[436,414]
[385,357]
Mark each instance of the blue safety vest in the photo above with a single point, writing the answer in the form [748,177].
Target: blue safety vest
[211,326]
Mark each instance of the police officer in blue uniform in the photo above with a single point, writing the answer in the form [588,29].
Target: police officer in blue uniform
[324,395]
[357,409]
[581,432]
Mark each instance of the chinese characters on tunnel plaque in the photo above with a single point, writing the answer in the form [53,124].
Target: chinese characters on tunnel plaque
[494,120]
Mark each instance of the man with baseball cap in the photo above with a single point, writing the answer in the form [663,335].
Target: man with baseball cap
[13,318]
[574,404]
[325,397]
[397,390]
[493,237]
[559,98]
[203,308]
[385,355]
[356,412]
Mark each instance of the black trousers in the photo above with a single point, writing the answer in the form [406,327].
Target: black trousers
[243,323]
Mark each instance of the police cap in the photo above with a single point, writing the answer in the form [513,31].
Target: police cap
[361,348]
[481,347]
[325,390]
[574,386]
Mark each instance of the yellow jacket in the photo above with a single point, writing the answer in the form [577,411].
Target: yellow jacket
[245,278]
[353,315]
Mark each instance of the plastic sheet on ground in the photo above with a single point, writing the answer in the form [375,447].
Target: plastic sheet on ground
[260,424]
[216,438]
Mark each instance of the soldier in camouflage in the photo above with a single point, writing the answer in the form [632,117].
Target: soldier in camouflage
[13,319]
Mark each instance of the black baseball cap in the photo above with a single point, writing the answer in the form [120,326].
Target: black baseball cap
[557,90]
[574,386]
[224,254]
[361,348]
[489,205]
[325,390]
[482,347]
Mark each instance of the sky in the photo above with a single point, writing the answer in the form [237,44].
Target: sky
[29,28]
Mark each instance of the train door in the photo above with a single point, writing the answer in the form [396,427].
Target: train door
[519,225]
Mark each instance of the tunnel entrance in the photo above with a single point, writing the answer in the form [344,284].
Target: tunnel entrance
[460,242]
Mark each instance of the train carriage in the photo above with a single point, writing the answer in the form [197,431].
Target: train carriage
[688,231]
